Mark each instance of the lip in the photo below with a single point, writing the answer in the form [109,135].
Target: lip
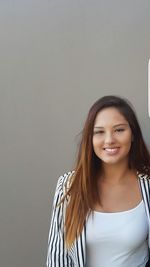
[111,150]
[107,147]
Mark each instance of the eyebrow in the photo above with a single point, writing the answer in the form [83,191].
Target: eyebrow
[120,124]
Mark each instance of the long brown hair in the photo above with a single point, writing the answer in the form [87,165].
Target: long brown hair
[83,191]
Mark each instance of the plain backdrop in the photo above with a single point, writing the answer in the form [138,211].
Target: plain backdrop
[56,58]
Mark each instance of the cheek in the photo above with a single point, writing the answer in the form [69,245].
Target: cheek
[128,140]
[97,143]
[93,143]
[127,143]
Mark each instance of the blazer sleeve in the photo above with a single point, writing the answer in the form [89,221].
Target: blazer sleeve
[57,254]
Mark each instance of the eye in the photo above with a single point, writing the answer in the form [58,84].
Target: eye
[98,132]
[120,130]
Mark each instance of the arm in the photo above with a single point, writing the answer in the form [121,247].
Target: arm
[57,255]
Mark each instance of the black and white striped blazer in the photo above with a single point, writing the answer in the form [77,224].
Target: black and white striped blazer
[57,254]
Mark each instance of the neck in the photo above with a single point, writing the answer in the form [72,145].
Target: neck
[115,174]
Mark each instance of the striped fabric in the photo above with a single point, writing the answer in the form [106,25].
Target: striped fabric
[57,254]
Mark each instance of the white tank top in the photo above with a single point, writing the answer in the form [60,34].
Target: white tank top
[117,239]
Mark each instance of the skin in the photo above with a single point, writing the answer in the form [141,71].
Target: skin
[112,139]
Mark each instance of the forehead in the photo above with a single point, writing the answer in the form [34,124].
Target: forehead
[109,115]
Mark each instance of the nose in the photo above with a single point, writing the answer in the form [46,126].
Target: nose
[109,138]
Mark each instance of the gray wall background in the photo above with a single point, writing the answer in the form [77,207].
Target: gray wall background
[56,58]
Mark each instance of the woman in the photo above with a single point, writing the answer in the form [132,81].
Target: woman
[101,210]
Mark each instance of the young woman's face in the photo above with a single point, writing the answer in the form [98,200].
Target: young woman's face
[112,136]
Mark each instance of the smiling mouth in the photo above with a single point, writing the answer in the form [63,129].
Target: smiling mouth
[111,151]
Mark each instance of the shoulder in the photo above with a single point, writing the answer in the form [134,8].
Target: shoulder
[62,186]
[144,177]
[144,180]
[63,182]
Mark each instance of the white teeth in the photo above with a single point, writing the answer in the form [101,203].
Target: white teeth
[110,149]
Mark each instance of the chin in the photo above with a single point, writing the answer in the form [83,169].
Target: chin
[117,161]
